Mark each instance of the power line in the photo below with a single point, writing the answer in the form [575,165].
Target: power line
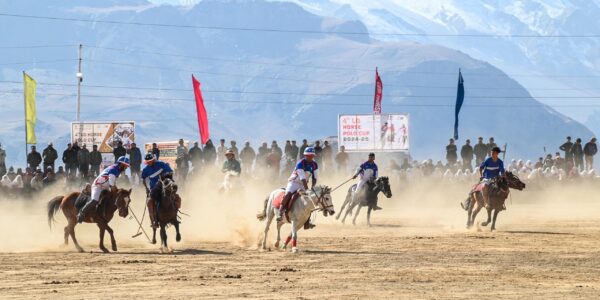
[36,62]
[303,31]
[38,46]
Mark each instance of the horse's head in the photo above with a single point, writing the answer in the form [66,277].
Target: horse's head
[324,200]
[123,199]
[514,182]
[169,188]
[383,184]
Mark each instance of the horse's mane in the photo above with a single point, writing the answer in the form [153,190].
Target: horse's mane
[157,192]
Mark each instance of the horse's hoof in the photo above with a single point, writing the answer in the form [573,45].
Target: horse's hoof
[484,224]
[276,245]
[153,242]
[80,250]
[294,250]
[104,250]
[178,237]
[114,248]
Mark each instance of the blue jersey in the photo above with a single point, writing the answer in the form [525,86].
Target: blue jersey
[108,175]
[151,174]
[304,166]
[492,169]
[368,166]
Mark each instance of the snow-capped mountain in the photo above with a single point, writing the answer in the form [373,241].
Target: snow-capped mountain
[258,85]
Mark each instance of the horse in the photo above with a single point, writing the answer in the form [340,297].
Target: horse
[318,198]
[231,182]
[165,194]
[110,202]
[492,197]
[367,198]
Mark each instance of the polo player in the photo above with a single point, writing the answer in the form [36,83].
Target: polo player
[105,181]
[298,182]
[491,168]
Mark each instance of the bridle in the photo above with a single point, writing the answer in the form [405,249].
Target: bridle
[320,203]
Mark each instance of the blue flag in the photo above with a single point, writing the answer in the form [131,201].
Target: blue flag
[460,97]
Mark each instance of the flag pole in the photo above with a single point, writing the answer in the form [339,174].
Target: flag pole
[25,115]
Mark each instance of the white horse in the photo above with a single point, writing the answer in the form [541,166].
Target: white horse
[317,199]
[231,182]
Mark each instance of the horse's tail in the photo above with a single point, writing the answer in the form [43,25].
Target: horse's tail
[262,216]
[53,207]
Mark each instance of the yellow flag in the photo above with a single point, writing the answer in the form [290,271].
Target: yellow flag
[30,114]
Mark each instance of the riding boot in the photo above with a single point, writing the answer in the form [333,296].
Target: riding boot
[152,214]
[90,206]
[283,206]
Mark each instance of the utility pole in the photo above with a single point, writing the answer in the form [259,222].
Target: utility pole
[79,80]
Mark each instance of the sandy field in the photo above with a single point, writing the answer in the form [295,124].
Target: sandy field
[546,247]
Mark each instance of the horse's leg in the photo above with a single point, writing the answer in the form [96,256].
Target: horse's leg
[113,242]
[496,211]
[163,238]
[369,216]
[287,240]
[102,229]
[154,235]
[295,228]
[343,206]
[356,214]
[67,232]
[270,216]
[474,214]
[348,210]
[489,217]
[177,235]
[71,226]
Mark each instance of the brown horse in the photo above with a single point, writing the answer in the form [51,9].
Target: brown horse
[492,197]
[110,202]
[165,194]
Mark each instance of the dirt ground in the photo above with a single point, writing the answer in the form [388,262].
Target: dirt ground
[416,250]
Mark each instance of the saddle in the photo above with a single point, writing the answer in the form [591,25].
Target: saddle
[279,199]
[478,187]
[82,200]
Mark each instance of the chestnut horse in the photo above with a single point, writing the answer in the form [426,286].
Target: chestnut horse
[492,197]
[109,203]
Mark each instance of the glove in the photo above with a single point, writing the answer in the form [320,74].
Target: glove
[354,177]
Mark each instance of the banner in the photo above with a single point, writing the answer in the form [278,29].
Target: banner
[30,113]
[374,133]
[460,97]
[378,93]
[200,112]
[104,134]
[168,151]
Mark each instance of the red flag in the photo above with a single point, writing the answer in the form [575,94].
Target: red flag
[201,111]
[378,93]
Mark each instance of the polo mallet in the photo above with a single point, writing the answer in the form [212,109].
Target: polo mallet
[339,186]
[142,221]
[139,223]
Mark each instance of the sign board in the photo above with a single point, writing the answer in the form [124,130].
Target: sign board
[104,134]
[168,151]
[374,133]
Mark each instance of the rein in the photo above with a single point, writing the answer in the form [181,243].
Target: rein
[321,205]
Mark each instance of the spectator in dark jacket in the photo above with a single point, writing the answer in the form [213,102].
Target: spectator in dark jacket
[195,155]
[34,159]
[294,151]
[119,151]
[318,153]
[466,153]
[567,148]
[302,148]
[155,151]
[451,155]
[83,159]
[247,157]
[209,153]
[95,160]
[135,162]
[49,156]
[70,160]
[480,151]
[577,151]
[327,155]
[590,150]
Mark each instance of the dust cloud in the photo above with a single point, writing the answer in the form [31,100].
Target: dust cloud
[423,204]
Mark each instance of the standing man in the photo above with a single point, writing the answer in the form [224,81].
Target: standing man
[135,158]
[590,150]
[155,151]
[34,159]
[234,148]
[566,147]
[294,151]
[466,153]
[209,153]
[287,148]
[577,151]
[49,156]
[327,156]
[195,156]
[318,153]
[341,158]
[480,151]
[95,160]
[83,159]
[491,145]
[119,151]
[221,150]
[182,161]
[275,147]
[247,156]
[451,154]
[70,160]
[2,161]
[303,147]
[273,161]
